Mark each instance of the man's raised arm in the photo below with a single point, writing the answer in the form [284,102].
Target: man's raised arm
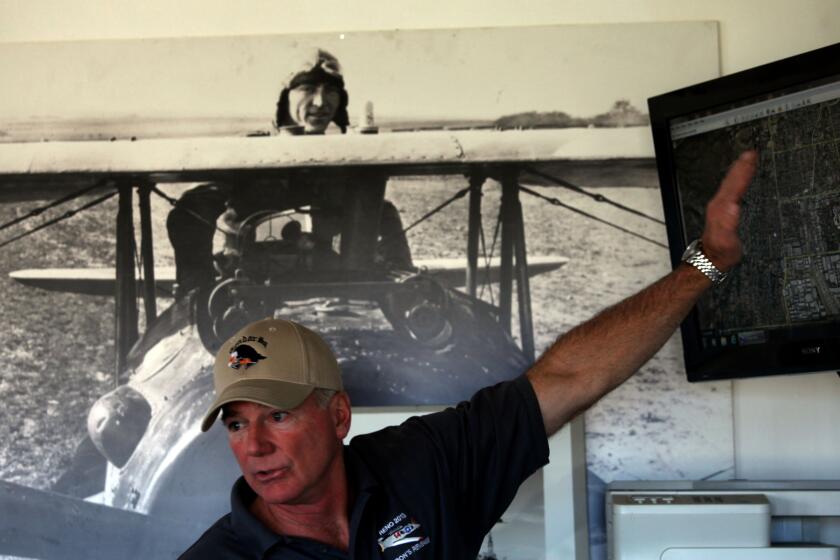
[597,356]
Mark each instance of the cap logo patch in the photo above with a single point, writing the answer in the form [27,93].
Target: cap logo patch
[244,356]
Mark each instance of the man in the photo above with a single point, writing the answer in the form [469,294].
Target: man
[313,97]
[434,486]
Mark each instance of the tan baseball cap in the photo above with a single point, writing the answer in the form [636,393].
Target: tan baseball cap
[273,362]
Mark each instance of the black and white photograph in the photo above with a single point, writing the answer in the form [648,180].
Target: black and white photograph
[439,204]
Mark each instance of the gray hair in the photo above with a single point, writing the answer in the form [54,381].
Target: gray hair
[323,396]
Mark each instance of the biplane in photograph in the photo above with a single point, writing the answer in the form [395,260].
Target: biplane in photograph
[418,333]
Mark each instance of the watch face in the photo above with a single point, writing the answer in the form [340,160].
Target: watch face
[691,250]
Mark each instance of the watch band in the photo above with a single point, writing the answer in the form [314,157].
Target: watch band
[695,257]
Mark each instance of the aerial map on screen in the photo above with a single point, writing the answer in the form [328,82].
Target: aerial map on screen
[791,223]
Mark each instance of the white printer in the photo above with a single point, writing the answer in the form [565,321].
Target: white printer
[733,520]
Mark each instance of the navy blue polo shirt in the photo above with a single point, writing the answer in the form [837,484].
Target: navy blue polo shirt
[430,488]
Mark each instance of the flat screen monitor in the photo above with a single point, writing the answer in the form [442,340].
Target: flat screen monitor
[779,311]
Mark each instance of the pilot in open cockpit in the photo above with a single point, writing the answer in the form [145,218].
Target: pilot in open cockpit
[313,97]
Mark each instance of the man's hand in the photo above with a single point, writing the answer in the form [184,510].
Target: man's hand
[593,358]
[720,237]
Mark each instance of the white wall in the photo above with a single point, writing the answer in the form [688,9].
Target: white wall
[788,427]
[752,31]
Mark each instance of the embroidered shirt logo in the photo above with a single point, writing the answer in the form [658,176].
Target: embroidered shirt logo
[400,536]
[401,530]
[244,356]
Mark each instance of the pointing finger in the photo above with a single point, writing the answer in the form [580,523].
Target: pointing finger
[720,238]
[738,178]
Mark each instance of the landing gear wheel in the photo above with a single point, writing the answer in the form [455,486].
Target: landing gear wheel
[418,309]
[228,311]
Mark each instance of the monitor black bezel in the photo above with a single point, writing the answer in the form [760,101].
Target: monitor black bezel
[738,361]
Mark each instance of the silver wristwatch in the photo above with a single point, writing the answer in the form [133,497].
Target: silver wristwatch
[695,257]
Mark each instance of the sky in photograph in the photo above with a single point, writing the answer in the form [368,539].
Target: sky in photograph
[464,74]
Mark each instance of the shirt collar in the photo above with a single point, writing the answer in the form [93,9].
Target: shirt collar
[246,526]
[259,537]
[359,477]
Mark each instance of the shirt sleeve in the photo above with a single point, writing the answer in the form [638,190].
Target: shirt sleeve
[488,445]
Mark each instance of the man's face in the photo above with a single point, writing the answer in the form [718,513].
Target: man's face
[287,456]
[313,106]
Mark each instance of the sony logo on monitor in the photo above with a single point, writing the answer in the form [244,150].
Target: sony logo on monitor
[810,350]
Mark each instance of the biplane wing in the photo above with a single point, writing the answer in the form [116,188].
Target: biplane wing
[587,156]
[91,531]
[102,281]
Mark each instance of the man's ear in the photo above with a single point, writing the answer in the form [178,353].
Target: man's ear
[341,118]
[281,115]
[341,413]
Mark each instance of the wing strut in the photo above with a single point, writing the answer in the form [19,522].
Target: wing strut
[125,296]
[147,253]
[473,232]
[513,244]
[509,195]
[523,284]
